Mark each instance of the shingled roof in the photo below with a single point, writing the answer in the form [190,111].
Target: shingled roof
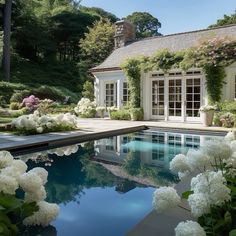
[173,42]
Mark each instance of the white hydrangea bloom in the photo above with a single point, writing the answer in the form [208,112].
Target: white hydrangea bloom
[30,181]
[8,184]
[209,190]
[179,164]
[165,198]
[64,151]
[199,204]
[20,166]
[47,212]
[233,145]
[36,195]
[197,159]
[217,151]
[6,159]
[229,136]
[189,228]
[39,130]
[12,172]
[230,165]
[42,173]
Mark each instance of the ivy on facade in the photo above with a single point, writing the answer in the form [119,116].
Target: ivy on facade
[212,55]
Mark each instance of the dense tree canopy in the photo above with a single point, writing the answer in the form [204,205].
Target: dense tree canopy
[227,20]
[98,42]
[146,24]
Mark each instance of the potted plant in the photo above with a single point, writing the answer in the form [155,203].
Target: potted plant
[207,114]
[100,111]
[111,109]
[136,114]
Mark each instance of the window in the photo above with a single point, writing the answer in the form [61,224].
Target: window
[110,95]
[125,94]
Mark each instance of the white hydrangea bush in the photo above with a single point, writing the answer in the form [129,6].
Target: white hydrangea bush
[14,176]
[85,108]
[189,228]
[213,166]
[36,123]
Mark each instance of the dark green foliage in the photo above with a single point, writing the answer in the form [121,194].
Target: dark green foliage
[16,92]
[19,96]
[122,114]
[12,213]
[46,46]
[88,90]
[146,24]
[95,11]
[214,82]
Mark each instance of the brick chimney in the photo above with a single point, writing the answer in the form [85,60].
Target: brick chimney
[125,32]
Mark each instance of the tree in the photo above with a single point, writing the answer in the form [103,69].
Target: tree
[227,20]
[7,38]
[98,42]
[100,13]
[88,90]
[146,25]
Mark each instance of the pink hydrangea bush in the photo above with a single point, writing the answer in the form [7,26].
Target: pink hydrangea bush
[31,102]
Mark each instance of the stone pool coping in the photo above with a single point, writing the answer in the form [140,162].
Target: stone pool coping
[163,224]
[92,129]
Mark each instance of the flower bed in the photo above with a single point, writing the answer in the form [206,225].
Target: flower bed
[36,123]
[30,209]
[212,197]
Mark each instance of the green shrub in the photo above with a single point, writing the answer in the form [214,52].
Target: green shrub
[216,120]
[20,112]
[19,96]
[15,106]
[227,120]
[122,114]
[228,106]
[49,92]
[7,89]
[137,114]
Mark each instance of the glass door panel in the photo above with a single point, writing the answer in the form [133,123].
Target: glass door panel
[110,95]
[193,96]
[158,98]
[175,97]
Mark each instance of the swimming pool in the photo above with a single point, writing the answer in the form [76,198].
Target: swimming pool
[105,187]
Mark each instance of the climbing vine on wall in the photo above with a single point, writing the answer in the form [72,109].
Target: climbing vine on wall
[212,55]
[133,73]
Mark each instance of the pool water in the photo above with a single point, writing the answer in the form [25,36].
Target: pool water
[105,187]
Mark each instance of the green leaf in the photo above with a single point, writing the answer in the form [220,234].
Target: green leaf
[232,232]
[28,209]
[9,202]
[186,194]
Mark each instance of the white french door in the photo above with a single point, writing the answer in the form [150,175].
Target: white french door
[193,98]
[158,99]
[175,99]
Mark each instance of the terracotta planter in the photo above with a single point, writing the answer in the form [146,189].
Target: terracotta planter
[207,117]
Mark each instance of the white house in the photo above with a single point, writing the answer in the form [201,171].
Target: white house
[173,96]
